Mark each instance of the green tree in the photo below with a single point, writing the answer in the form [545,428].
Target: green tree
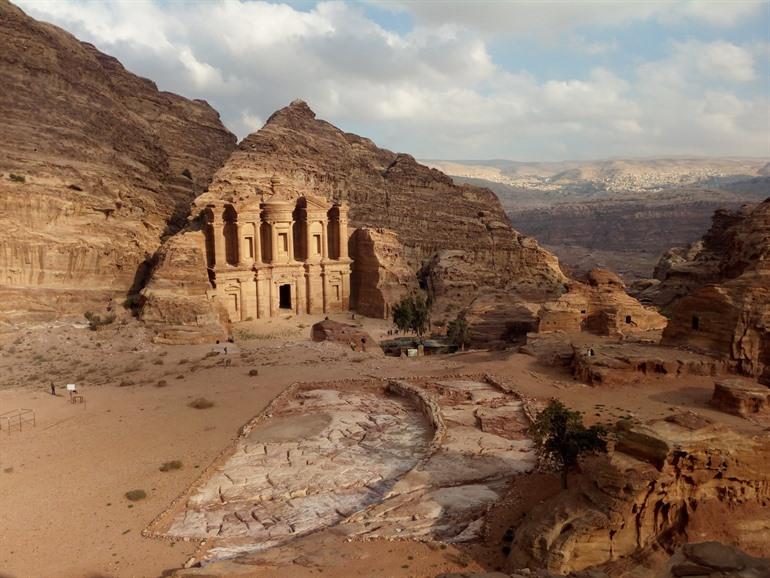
[412,314]
[458,332]
[561,437]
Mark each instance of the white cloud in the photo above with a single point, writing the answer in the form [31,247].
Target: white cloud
[435,91]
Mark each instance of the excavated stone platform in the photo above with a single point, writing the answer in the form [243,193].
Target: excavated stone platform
[374,458]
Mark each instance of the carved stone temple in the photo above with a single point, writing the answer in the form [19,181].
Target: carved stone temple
[269,258]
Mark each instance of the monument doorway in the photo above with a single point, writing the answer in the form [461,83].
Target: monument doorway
[284,296]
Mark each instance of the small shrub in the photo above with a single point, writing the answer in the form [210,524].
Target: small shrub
[95,321]
[134,301]
[17,178]
[201,403]
[136,495]
[253,372]
[169,466]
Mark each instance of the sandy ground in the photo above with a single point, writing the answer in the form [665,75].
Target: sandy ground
[63,510]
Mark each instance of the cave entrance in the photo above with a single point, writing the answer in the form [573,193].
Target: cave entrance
[284,296]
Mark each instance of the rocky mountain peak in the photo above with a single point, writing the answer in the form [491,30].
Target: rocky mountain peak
[294,115]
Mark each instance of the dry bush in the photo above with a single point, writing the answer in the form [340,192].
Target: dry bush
[169,466]
[136,495]
[253,372]
[201,403]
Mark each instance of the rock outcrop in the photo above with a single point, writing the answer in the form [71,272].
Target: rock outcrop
[718,294]
[742,398]
[714,560]
[602,306]
[96,165]
[665,480]
[381,275]
[345,334]
[456,236]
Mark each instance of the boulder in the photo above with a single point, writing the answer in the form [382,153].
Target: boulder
[740,397]
[350,335]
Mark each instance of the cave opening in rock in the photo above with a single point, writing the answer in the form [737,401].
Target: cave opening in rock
[284,296]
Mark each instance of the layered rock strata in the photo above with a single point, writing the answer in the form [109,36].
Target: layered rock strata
[602,306]
[417,220]
[96,165]
[395,460]
[664,479]
[718,294]
[742,398]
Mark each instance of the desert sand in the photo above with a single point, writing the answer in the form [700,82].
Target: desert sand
[63,510]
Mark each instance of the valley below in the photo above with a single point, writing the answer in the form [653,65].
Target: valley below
[616,214]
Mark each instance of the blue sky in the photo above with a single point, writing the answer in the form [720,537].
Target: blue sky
[462,80]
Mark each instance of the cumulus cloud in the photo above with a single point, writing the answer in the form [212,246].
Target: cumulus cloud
[435,90]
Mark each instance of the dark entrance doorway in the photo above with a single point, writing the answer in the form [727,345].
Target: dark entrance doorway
[284,294]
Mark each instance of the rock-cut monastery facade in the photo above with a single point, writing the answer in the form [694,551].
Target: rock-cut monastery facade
[269,258]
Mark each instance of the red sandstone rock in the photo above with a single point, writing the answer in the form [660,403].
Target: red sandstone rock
[350,335]
[741,398]
[413,219]
[626,502]
[600,306]
[109,165]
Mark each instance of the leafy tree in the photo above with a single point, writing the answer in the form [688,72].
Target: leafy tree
[458,332]
[412,314]
[561,437]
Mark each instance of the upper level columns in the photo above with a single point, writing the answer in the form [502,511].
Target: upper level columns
[343,237]
[218,236]
[324,241]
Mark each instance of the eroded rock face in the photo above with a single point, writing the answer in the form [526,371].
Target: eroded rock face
[376,459]
[664,477]
[602,306]
[178,300]
[320,457]
[348,335]
[460,230]
[381,276]
[742,398]
[715,560]
[104,165]
[718,292]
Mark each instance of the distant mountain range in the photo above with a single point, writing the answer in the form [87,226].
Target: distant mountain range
[618,213]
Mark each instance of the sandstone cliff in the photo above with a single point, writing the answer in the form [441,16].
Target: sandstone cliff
[456,237]
[667,480]
[96,165]
[718,291]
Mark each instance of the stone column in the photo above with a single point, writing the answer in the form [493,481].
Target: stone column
[218,235]
[257,243]
[324,247]
[308,240]
[239,244]
[343,238]
[273,244]
[291,241]
[272,298]
[325,292]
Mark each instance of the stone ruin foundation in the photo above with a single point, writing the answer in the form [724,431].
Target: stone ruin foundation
[420,459]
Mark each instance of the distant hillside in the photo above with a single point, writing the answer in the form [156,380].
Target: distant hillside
[620,214]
